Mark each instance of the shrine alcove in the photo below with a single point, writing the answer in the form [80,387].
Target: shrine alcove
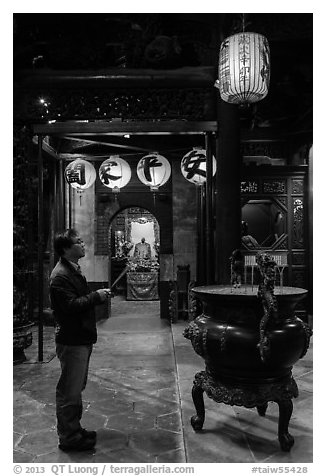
[134,248]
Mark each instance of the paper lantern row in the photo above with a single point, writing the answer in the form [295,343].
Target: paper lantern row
[153,170]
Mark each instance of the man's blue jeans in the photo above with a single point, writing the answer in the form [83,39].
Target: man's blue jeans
[74,360]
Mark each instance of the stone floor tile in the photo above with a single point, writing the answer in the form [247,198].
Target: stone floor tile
[83,457]
[152,406]
[168,394]
[58,456]
[155,441]
[16,438]
[211,445]
[130,422]
[110,407]
[22,457]
[24,404]
[305,382]
[108,439]
[170,422]
[95,392]
[38,443]
[175,456]
[125,455]
[301,452]
[33,422]
[92,420]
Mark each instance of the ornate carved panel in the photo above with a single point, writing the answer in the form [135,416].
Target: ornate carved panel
[133,104]
[274,186]
[249,186]
[298,231]
[298,258]
[263,148]
[297,187]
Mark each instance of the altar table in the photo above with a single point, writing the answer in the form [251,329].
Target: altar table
[142,286]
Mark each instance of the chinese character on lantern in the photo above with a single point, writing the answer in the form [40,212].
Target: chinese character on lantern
[115,173]
[193,166]
[154,170]
[80,174]
[244,68]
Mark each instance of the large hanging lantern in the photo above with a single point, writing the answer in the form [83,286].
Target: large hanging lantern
[153,170]
[244,68]
[193,166]
[115,173]
[80,174]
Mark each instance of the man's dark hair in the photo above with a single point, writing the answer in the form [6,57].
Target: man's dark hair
[63,240]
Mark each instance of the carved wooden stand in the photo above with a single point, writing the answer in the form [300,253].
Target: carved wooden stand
[248,395]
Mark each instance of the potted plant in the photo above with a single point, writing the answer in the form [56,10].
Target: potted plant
[22,324]
[22,327]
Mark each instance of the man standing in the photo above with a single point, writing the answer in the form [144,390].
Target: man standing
[73,305]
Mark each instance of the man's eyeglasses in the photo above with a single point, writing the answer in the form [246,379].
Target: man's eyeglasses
[79,241]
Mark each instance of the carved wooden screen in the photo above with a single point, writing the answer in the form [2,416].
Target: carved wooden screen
[284,189]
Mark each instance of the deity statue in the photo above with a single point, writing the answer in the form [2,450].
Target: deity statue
[142,250]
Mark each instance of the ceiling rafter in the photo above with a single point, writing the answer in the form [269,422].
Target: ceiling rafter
[105,144]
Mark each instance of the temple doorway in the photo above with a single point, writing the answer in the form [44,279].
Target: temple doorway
[134,242]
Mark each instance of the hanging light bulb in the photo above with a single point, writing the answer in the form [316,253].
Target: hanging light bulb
[244,68]
[193,166]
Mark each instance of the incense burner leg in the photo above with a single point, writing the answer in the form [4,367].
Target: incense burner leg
[284,437]
[197,421]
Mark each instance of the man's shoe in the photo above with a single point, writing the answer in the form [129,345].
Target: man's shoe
[88,434]
[83,444]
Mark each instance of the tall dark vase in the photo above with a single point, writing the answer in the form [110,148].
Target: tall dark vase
[22,338]
[250,339]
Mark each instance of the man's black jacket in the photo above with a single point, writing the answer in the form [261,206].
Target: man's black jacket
[73,305]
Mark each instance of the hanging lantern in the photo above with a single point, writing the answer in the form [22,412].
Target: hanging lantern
[193,166]
[80,174]
[244,68]
[153,170]
[115,173]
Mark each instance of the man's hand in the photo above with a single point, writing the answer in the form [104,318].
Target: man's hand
[104,293]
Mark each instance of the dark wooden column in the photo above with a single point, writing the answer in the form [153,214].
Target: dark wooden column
[69,207]
[60,199]
[228,203]
[310,232]
[209,232]
[40,249]
[200,274]
[53,215]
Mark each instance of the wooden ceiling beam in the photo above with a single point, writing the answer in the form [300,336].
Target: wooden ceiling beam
[187,77]
[121,127]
